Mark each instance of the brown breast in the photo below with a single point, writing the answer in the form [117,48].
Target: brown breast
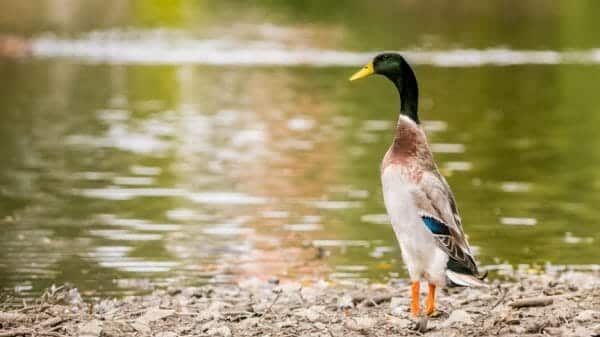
[409,150]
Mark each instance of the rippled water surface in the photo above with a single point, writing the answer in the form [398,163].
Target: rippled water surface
[147,144]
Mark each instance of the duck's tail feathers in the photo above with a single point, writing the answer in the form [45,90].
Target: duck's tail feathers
[466,280]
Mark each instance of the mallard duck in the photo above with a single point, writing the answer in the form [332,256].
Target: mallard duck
[418,200]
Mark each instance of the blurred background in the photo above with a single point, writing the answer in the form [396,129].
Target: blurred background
[153,143]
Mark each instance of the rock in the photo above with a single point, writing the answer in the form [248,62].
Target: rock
[286,324]
[400,323]
[587,315]
[398,301]
[554,331]
[214,311]
[345,302]
[11,317]
[249,323]
[399,311]
[142,327]
[90,329]
[154,314]
[580,331]
[596,330]
[166,334]
[309,294]
[398,306]
[360,323]
[311,314]
[116,329]
[174,291]
[458,317]
[222,331]
[73,297]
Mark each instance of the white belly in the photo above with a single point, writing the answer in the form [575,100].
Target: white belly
[420,252]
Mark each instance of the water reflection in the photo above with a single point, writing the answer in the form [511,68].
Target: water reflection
[120,176]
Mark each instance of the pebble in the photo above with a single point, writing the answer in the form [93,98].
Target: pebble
[398,306]
[458,317]
[249,323]
[553,331]
[360,323]
[166,334]
[154,314]
[287,323]
[580,332]
[90,329]
[345,302]
[587,315]
[224,311]
[401,323]
[222,331]
[311,314]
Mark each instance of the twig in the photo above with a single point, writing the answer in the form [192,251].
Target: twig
[16,332]
[270,306]
[49,333]
[500,300]
[377,300]
[53,321]
[532,302]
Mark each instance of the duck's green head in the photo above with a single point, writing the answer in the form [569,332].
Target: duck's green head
[396,69]
[387,64]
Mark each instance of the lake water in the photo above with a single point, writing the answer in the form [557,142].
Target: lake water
[153,143]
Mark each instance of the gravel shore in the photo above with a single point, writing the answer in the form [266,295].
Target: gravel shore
[566,304]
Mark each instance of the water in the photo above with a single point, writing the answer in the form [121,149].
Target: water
[182,144]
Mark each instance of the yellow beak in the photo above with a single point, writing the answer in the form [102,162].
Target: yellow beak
[367,70]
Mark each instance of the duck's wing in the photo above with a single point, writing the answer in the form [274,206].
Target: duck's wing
[438,211]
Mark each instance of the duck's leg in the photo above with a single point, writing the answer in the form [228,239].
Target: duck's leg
[415,307]
[430,308]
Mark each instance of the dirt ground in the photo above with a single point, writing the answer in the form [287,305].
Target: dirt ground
[532,305]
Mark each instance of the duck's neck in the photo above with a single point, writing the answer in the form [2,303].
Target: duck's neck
[408,91]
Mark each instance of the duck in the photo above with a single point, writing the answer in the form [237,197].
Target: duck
[417,198]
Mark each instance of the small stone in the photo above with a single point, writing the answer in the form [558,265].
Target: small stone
[274,280]
[400,323]
[580,331]
[311,314]
[398,301]
[10,317]
[249,323]
[458,317]
[360,323]
[399,311]
[222,331]
[90,329]
[345,302]
[74,298]
[587,315]
[286,324]
[141,327]
[309,294]
[398,306]
[553,331]
[166,334]
[174,291]
[154,314]
[116,329]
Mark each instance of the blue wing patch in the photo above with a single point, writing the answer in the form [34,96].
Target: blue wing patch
[435,226]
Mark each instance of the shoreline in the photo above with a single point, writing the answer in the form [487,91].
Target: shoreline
[565,304]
